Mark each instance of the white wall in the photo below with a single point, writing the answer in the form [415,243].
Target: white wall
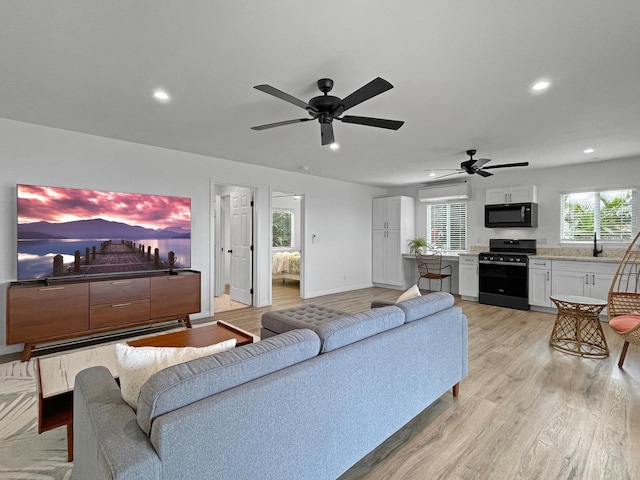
[550,182]
[338,212]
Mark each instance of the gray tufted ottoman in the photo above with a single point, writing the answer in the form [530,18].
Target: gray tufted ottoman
[306,316]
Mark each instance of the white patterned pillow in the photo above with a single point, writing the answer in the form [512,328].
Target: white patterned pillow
[413,292]
[136,364]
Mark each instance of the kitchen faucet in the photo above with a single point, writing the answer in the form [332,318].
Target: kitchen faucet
[596,251]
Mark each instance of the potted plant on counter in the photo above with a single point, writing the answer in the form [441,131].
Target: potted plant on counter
[418,245]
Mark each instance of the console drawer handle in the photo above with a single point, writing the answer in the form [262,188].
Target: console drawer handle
[120,282]
[46,289]
[116,305]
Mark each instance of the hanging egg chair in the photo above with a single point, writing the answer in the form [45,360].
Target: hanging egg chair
[624,299]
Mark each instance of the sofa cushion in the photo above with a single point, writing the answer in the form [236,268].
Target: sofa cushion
[136,364]
[187,383]
[343,331]
[421,307]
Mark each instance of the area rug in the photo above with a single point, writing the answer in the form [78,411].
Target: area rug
[25,454]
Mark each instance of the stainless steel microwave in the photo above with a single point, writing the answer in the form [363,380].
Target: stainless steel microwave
[511,215]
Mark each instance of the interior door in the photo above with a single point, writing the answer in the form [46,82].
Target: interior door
[241,206]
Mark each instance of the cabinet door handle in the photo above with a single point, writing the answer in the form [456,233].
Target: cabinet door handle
[506,198]
[548,276]
[586,279]
[175,277]
[593,279]
[46,289]
[117,305]
[120,282]
[477,270]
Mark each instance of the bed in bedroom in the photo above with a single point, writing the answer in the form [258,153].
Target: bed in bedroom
[285,265]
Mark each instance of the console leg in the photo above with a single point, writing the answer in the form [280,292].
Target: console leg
[456,389]
[26,351]
[187,321]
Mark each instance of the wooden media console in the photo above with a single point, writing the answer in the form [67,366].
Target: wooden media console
[40,312]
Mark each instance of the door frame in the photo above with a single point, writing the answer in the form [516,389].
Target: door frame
[214,264]
[303,249]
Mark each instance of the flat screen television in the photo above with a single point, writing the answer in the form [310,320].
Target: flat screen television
[64,232]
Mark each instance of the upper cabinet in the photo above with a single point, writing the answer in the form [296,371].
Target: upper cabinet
[516,194]
[394,213]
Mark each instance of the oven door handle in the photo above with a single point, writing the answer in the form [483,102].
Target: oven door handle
[493,262]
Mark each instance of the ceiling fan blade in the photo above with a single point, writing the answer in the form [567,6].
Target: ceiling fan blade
[449,174]
[507,165]
[370,90]
[326,133]
[482,173]
[373,122]
[280,124]
[285,96]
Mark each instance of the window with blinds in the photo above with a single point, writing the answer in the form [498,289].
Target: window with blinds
[447,226]
[610,214]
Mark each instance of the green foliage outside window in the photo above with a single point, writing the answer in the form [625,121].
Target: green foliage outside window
[282,222]
[611,215]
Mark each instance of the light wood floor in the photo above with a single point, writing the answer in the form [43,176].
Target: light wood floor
[525,411]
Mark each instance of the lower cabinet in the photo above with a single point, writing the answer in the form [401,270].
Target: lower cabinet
[468,276]
[540,283]
[387,258]
[585,279]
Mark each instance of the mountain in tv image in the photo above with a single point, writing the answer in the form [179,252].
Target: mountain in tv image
[95,229]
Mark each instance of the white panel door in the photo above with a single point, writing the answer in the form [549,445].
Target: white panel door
[241,243]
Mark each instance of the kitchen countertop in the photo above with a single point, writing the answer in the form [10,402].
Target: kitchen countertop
[576,258]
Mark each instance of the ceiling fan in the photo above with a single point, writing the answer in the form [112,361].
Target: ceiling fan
[477,166]
[327,108]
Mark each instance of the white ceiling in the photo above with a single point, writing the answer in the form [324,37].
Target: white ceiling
[461,72]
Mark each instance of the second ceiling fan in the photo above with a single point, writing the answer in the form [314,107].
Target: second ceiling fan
[476,166]
[327,108]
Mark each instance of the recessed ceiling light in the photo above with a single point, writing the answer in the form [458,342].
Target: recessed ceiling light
[589,150]
[334,146]
[161,95]
[540,85]
[432,174]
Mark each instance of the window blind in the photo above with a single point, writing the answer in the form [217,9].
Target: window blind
[447,226]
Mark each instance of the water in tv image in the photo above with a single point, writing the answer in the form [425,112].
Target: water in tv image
[67,231]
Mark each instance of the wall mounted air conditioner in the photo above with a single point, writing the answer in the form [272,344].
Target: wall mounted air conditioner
[441,192]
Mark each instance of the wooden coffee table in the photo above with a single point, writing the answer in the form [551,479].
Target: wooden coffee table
[196,337]
[55,377]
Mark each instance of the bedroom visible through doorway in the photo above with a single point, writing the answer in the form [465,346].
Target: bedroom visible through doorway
[286,243]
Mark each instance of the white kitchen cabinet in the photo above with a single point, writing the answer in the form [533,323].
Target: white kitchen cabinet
[514,194]
[468,283]
[393,227]
[540,282]
[587,279]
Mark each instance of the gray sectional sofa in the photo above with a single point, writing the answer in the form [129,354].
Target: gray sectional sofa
[300,405]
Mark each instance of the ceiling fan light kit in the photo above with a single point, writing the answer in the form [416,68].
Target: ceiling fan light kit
[326,108]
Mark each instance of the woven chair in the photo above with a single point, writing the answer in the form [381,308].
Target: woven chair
[624,299]
[430,267]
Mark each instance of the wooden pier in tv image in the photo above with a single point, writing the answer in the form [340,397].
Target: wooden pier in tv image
[110,257]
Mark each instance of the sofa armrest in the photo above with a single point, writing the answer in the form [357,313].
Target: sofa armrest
[107,441]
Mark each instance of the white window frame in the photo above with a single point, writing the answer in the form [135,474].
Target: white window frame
[597,216]
[448,232]
[291,213]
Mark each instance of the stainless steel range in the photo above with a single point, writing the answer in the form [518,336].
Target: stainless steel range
[504,273]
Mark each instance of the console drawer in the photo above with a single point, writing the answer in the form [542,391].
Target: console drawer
[119,291]
[119,313]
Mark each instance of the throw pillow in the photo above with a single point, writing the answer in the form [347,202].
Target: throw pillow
[136,364]
[413,292]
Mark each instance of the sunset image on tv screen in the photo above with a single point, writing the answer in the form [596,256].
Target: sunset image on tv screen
[67,231]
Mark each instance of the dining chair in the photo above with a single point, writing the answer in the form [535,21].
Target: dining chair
[430,267]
